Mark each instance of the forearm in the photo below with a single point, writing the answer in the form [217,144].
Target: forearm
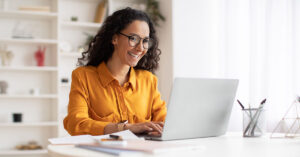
[76,124]
[115,127]
[110,128]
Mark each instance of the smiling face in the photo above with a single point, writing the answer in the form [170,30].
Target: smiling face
[127,54]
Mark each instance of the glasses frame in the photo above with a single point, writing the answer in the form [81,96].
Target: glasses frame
[140,39]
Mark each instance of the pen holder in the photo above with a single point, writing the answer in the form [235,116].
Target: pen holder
[253,122]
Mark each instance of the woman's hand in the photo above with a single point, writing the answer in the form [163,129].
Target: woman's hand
[146,127]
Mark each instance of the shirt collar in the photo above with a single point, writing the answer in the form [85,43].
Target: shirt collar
[106,76]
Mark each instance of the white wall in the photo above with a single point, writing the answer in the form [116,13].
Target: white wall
[199,44]
[195,38]
[254,41]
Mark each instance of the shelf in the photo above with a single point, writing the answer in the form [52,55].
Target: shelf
[29,68]
[50,28]
[70,54]
[81,24]
[29,124]
[28,41]
[23,152]
[28,14]
[84,0]
[65,85]
[19,96]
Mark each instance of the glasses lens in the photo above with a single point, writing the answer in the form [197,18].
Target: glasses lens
[134,40]
[148,43]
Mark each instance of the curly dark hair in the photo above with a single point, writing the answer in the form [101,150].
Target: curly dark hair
[101,48]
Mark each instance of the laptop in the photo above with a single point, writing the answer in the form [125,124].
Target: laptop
[198,107]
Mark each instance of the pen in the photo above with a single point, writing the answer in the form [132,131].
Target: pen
[251,119]
[262,102]
[241,104]
[112,140]
[259,112]
[116,137]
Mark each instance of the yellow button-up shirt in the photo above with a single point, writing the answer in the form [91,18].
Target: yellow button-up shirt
[96,99]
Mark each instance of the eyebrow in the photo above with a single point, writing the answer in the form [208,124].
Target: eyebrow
[139,36]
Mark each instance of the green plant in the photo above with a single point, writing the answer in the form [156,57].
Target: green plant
[152,10]
[89,38]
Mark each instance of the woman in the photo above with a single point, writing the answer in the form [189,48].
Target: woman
[116,85]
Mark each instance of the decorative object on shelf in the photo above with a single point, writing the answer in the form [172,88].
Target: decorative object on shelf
[64,80]
[101,11]
[40,56]
[152,10]
[22,31]
[8,59]
[3,87]
[32,145]
[65,46]
[89,38]
[74,18]
[290,122]
[35,8]
[34,91]
[5,56]
[17,117]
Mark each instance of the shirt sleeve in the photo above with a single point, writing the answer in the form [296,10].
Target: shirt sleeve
[78,122]
[159,110]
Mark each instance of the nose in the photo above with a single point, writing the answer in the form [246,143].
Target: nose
[140,46]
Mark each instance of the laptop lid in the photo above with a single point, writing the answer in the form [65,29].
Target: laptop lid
[199,107]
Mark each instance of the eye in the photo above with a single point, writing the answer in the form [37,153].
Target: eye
[133,38]
[146,40]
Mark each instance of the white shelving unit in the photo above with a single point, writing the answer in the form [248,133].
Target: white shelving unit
[16,96]
[28,14]
[32,124]
[43,113]
[29,41]
[23,152]
[81,25]
[29,68]
[40,117]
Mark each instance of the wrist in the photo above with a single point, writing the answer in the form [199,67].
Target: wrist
[122,126]
[127,126]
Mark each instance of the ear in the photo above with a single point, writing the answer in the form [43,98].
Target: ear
[114,40]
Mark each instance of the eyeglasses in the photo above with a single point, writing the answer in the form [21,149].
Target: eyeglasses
[134,40]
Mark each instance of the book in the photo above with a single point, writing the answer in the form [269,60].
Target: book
[142,146]
[101,12]
[88,139]
[107,150]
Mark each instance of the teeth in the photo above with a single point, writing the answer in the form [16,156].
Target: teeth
[131,54]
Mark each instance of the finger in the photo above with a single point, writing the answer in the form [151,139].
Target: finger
[140,128]
[147,128]
[154,133]
[154,126]
[160,123]
[159,127]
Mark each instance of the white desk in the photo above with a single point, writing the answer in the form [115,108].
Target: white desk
[230,145]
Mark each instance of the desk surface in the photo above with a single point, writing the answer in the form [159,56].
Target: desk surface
[229,145]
